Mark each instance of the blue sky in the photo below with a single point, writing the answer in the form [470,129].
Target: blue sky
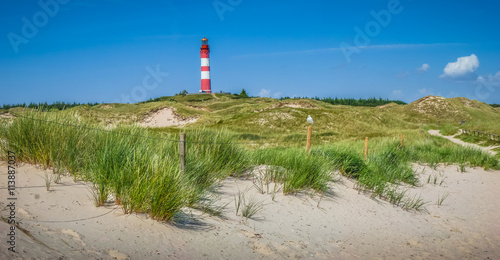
[130,51]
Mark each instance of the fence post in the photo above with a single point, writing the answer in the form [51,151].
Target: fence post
[366,147]
[308,145]
[401,140]
[182,152]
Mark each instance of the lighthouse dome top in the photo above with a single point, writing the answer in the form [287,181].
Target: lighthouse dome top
[204,42]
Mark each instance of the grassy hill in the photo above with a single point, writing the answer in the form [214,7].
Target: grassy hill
[283,123]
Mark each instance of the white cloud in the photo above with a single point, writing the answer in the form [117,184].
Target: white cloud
[462,69]
[424,67]
[265,93]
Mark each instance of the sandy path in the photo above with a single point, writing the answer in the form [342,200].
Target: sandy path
[460,142]
[346,225]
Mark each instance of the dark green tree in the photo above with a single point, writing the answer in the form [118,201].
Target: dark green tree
[243,93]
[183,93]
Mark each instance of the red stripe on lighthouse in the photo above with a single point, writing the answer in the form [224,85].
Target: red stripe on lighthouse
[205,85]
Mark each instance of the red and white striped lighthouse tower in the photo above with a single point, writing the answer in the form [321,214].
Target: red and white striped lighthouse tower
[205,66]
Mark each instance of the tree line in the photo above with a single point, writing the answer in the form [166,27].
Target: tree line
[45,106]
[365,102]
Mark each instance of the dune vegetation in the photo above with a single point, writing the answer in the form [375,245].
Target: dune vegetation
[139,167]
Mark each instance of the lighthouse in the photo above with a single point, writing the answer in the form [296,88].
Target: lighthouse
[205,67]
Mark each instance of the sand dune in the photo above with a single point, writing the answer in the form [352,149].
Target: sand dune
[167,117]
[345,225]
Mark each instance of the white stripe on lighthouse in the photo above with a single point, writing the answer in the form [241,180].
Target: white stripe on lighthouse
[205,62]
[205,75]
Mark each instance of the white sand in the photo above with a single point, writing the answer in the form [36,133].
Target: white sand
[6,116]
[167,117]
[347,225]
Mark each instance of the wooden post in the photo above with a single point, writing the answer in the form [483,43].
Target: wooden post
[366,147]
[182,152]
[401,140]
[309,132]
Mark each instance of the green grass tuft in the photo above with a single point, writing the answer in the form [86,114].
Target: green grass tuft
[139,169]
[296,169]
[448,129]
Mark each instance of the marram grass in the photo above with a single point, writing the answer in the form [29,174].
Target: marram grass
[390,164]
[138,168]
[296,169]
[141,170]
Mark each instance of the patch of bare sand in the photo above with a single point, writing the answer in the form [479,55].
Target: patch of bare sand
[346,225]
[166,117]
[6,116]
